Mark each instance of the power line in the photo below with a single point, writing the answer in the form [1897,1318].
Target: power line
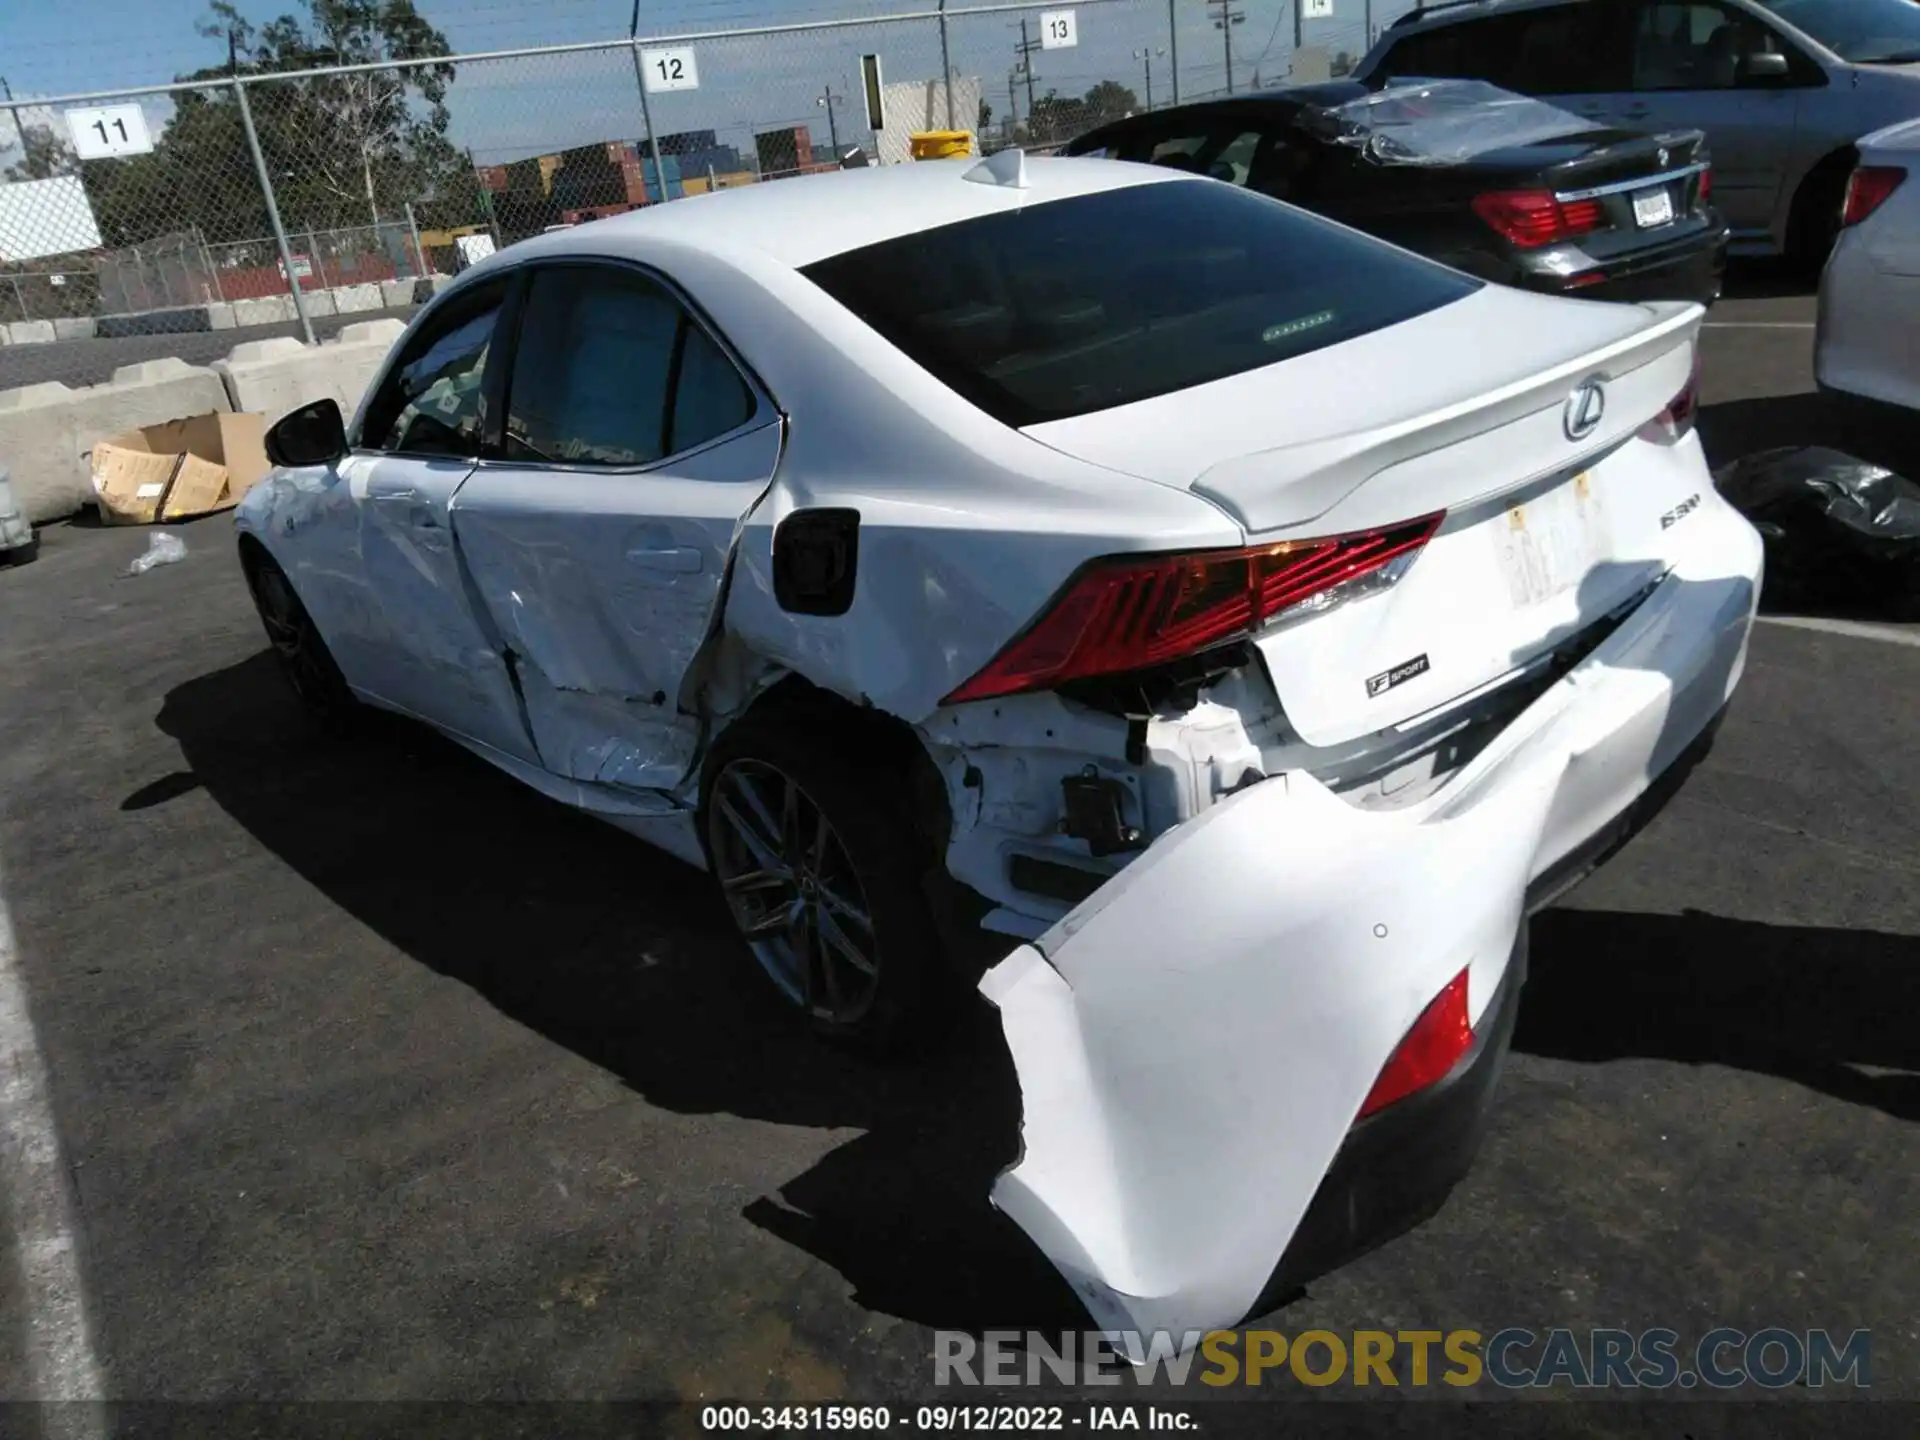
[1225,17]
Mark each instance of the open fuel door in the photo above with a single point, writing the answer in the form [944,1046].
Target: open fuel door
[1196,1041]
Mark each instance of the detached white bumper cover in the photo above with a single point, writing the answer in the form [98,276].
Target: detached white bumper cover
[1195,1041]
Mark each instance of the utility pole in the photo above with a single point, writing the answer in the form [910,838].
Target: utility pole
[1025,51]
[829,99]
[1225,17]
[1145,57]
[1173,42]
[1299,19]
[1013,110]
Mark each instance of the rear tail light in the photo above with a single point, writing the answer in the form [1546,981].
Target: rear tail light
[1706,185]
[1867,190]
[1531,218]
[1676,421]
[1128,613]
[1429,1051]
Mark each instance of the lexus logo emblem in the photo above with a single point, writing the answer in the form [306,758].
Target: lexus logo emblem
[1585,408]
[1663,157]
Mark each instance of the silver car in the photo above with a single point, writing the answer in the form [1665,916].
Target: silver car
[1782,88]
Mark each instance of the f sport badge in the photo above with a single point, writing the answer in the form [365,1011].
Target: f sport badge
[1399,675]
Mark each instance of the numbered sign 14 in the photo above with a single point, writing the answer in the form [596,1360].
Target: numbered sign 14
[1057,30]
[101,132]
[671,68]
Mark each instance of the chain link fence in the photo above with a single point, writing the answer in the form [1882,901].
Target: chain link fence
[273,198]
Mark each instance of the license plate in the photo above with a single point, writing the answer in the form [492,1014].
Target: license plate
[1652,207]
[1548,545]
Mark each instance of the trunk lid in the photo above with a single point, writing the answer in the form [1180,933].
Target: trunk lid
[1544,534]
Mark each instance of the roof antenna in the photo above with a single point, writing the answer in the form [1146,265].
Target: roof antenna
[1004,167]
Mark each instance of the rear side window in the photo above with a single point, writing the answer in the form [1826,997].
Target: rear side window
[610,370]
[1484,49]
[1065,308]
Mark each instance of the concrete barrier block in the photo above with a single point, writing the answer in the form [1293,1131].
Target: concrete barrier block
[39,446]
[397,294]
[268,310]
[30,332]
[220,317]
[320,304]
[272,377]
[351,299]
[79,328]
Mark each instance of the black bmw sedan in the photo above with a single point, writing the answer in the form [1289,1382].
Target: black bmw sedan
[1502,186]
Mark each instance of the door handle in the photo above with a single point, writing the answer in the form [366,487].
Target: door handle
[679,559]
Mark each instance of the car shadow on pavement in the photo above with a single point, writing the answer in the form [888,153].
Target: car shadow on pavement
[1733,428]
[1821,1008]
[625,956]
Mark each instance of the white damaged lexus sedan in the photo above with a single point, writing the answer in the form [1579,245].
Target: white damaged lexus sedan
[1245,621]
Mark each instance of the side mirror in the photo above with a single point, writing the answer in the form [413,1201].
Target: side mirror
[312,435]
[1765,65]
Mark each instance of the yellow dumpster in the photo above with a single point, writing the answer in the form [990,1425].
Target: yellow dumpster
[940,144]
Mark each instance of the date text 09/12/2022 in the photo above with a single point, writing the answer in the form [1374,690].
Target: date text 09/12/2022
[944,1418]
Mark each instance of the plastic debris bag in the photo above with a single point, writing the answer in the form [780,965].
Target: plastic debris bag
[163,548]
[1838,529]
[1442,122]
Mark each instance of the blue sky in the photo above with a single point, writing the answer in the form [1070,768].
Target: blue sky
[507,109]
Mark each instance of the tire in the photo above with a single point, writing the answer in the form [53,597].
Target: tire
[1815,226]
[853,888]
[302,655]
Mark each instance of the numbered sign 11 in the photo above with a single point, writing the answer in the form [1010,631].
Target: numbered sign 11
[1057,30]
[102,132]
[671,68]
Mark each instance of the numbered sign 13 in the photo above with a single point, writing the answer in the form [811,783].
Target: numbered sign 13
[1057,30]
[670,69]
[101,132]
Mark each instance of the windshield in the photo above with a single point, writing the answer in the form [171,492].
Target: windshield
[1443,122]
[1863,31]
[1066,307]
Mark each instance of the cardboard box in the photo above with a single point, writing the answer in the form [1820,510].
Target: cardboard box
[179,469]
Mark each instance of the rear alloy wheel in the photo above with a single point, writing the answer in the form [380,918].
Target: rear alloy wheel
[794,893]
[811,834]
[299,651]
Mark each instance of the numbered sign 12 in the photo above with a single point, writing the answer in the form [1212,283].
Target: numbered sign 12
[101,132]
[670,69]
[1057,31]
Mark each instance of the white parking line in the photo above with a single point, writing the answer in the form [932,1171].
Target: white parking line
[1758,325]
[1855,629]
[59,1349]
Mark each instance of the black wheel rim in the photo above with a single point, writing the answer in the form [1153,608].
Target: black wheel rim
[793,891]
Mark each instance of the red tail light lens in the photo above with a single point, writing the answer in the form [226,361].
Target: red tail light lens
[1867,190]
[1706,186]
[1674,422]
[1532,218]
[1435,1044]
[1127,614]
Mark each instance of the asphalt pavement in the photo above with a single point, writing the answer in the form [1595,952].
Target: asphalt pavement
[378,1077]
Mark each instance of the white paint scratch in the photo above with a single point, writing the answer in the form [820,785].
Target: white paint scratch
[1758,325]
[58,1344]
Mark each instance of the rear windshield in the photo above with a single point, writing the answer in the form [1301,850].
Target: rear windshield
[1072,306]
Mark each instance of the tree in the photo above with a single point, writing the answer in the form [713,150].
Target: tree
[1109,100]
[43,154]
[351,123]
[1343,63]
[984,119]
[341,149]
